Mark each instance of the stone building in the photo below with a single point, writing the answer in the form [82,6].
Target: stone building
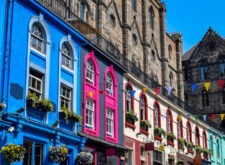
[135,29]
[205,62]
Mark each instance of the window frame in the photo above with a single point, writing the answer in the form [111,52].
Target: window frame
[43,40]
[204,140]
[108,83]
[92,127]
[181,127]
[203,72]
[91,72]
[197,136]
[68,99]
[158,115]
[143,98]
[41,80]
[69,57]
[112,119]
[94,88]
[189,133]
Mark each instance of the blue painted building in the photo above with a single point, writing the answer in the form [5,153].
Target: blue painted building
[39,61]
[216,144]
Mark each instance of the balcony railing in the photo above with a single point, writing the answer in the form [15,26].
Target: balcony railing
[63,11]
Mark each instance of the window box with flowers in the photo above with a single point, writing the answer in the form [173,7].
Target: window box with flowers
[84,158]
[40,104]
[131,118]
[145,125]
[69,115]
[13,153]
[198,150]
[158,132]
[181,143]
[57,154]
[190,146]
[170,138]
[207,153]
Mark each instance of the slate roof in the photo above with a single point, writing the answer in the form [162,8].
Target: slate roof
[188,54]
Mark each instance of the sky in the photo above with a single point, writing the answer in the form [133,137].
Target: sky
[193,18]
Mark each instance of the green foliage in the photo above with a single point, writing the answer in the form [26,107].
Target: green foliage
[159,131]
[33,99]
[198,149]
[70,115]
[190,146]
[182,142]
[208,152]
[171,135]
[46,104]
[131,115]
[146,123]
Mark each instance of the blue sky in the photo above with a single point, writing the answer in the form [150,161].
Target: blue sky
[194,17]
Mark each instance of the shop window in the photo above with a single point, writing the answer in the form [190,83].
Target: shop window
[129,158]
[112,160]
[157,158]
[37,155]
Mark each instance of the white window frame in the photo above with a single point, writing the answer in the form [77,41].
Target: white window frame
[156,111]
[90,71]
[169,129]
[92,110]
[37,38]
[110,122]
[128,99]
[67,57]
[35,90]
[109,84]
[143,107]
[64,97]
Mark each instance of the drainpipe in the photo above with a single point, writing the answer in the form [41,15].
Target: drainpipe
[7,50]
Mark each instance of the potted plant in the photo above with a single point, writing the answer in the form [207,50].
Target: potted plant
[84,158]
[190,146]
[70,115]
[13,153]
[46,105]
[159,131]
[2,105]
[207,152]
[131,117]
[170,136]
[32,100]
[181,143]
[198,149]
[57,154]
[145,125]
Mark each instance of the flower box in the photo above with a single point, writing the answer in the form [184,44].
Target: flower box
[70,115]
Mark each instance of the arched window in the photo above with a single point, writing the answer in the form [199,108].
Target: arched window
[90,72]
[203,71]
[179,127]
[204,139]
[91,101]
[170,51]
[134,39]
[189,132]
[151,17]
[222,67]
[218,148]
[157,116]
[143,108]
[169,120]
[205,98]
[37,38]
[133,5]
[171,79]
[82,10]
[211,143]
[128,98]
[197,136]
[109,84]
[66,56]
[153,55]
[112,20]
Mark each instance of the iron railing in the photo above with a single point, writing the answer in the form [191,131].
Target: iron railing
[63,11]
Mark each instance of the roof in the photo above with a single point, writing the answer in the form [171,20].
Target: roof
[188,54]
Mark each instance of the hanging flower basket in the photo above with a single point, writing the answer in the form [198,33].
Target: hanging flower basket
[13,153]
[2,106]
[57,154]
[84,158]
